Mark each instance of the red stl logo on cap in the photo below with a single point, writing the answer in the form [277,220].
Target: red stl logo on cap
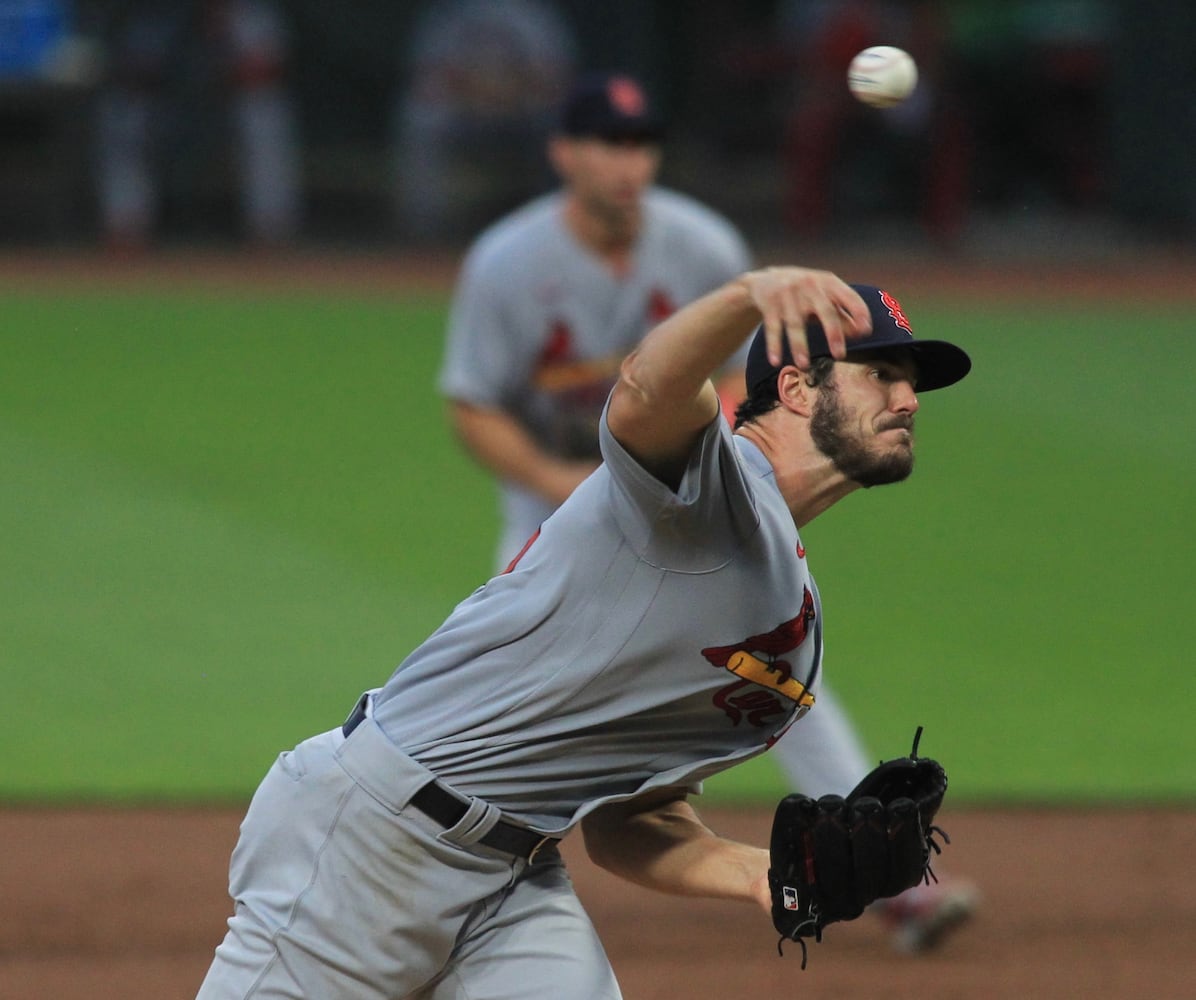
[895,311]
[626,96]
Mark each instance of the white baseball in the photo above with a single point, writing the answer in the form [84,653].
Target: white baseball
[882,76]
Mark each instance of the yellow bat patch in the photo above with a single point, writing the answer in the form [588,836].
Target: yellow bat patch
[769,675]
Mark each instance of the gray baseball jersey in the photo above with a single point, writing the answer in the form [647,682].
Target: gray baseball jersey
[645,639]
[539,324]
[618,655]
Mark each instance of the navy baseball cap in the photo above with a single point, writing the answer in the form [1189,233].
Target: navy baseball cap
[610,106]
[939,363]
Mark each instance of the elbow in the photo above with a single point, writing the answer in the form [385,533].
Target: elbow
[630,385]
[469,423]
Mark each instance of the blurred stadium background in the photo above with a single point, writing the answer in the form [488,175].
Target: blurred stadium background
[1065,125]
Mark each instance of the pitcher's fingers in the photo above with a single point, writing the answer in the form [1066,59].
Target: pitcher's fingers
[796,305]
[774,331]
[843,313]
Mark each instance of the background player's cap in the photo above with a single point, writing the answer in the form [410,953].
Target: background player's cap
[610,106]
[939,363]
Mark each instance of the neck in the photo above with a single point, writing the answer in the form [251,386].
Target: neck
[609,235]
[807,479]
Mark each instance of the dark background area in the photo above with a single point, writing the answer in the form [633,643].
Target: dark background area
[1079,118]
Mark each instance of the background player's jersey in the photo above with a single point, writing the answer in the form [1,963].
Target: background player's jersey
[591,678]
[539,323]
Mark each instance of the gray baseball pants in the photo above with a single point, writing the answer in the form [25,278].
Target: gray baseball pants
[342,891]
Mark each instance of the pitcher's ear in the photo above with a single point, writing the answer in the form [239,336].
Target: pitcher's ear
[794,390]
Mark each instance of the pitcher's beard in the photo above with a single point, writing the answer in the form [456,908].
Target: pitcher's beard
[851,455]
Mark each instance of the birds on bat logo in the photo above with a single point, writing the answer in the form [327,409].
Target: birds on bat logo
[759,662]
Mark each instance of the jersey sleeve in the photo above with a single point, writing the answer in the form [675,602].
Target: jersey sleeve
[482,357]
[699,526]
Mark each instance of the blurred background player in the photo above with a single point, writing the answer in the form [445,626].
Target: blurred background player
[554,295]
[549,301]
[170,61]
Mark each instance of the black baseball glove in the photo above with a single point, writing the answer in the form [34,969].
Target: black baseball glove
[831,857]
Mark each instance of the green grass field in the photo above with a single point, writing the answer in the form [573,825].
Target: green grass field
[225,517]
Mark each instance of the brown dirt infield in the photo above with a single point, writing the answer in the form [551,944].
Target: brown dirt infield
[101,904]
[129,903]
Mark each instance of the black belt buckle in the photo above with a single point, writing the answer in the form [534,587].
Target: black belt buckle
[441,805]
